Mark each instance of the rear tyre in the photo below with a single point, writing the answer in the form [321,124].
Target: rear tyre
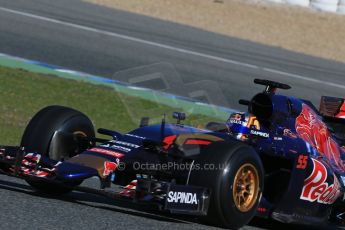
[41,136]
[235,175]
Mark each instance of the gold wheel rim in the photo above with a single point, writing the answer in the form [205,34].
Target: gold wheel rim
[245,188]
[79,134]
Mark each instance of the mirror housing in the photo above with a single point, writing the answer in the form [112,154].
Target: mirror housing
[179,116]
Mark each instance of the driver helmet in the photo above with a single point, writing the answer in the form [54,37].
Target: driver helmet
[239,125]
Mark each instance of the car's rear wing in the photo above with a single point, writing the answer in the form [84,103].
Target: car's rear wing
[332,107]
[333,111]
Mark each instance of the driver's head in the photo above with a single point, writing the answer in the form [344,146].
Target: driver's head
[237,116]
[240,124]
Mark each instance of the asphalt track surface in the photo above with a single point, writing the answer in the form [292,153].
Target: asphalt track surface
[150,53]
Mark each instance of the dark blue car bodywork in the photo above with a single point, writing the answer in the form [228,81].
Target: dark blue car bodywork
[302,159]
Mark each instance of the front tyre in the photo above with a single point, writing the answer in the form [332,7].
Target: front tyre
[41,136]
[235,180]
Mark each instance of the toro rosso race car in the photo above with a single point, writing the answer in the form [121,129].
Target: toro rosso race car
[283,159]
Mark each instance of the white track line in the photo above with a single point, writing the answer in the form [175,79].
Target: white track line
[168,47]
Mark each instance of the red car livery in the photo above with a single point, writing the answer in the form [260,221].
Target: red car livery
[341,114]
[312,130]
[317,189]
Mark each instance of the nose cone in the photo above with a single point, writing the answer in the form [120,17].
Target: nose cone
[73,171]
[87,165]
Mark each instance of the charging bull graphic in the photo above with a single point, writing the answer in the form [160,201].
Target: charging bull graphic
[109,167]
[312,130]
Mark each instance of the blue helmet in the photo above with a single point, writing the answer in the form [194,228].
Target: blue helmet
[239,125]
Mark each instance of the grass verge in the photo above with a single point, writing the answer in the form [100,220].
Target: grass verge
[24,93]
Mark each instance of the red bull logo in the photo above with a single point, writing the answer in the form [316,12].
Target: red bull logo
[313,131]
[109,167]
[316,189]
[107,152]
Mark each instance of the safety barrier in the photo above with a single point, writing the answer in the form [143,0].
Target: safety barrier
[298,2]
[341,7]
[335,6]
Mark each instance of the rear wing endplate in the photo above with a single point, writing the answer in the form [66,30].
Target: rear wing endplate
[332,107]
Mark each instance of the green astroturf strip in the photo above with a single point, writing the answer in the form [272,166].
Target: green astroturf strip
[23,93]
[155,96]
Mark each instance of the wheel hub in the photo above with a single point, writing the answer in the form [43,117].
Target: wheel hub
[246,187]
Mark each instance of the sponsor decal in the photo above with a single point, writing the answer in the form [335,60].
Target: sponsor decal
[109,167]
[234,121]
[316,189]
[312,130]
[126,144]
[302,162]
[237,118]
[117,147]
[135,136]
[182,198]
[107,152]
[259,133]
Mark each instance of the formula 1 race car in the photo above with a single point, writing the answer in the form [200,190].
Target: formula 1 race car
[283,159]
